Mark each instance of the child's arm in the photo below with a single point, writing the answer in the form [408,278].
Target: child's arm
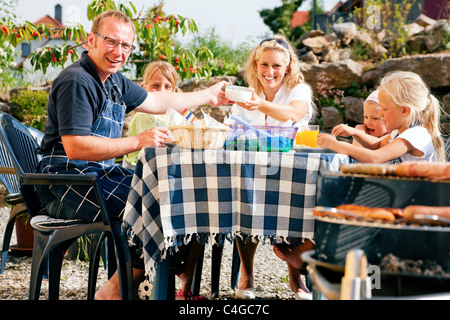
[390,151]
[362,128]
[365,140]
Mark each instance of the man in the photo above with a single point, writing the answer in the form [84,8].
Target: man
[86,112]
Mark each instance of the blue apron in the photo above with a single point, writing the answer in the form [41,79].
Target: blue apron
[114,179]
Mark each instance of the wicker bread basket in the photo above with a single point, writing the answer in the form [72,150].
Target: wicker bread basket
[192,137]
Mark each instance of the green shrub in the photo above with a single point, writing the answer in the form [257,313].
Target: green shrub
[30,107]
[228,59]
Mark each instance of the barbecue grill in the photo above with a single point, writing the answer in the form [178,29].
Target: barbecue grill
[342,243]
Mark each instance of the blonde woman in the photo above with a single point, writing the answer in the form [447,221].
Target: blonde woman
[281,96]
[412,115]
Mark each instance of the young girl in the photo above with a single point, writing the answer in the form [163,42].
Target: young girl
[281,96]
[158,76]
[412,114]
[374,125]
[162,76]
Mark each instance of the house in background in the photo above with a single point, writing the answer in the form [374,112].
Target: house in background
[299,18]
[23,51]
[342,12]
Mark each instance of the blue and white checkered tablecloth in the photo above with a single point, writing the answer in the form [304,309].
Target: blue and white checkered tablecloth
[180,192]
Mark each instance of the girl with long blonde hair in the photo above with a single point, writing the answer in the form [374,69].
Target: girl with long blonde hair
[411,112]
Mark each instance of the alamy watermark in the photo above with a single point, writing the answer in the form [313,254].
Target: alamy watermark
[374,19]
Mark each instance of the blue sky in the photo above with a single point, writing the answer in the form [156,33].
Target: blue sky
[234,20]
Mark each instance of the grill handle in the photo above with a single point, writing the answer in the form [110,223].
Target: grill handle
[355,284]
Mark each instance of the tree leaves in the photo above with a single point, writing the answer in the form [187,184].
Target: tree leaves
[155,34]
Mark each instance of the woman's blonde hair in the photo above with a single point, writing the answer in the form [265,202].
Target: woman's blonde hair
[278,43]
[406,88]
[294,75]
[166,69]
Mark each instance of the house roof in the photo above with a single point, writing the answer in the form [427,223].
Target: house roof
[346,6]
[51,21]
[299,18]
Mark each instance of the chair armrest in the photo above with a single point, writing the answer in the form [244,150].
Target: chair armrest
[58,179]
[7,170]
[32,179]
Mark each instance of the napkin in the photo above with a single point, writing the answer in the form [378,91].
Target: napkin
[175,119]
[211,122]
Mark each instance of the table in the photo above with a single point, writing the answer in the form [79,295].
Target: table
[180,192]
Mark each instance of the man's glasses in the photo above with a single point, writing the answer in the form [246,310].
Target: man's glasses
[279,41]
[110,42]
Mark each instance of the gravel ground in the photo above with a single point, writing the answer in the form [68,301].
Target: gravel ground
[270,274]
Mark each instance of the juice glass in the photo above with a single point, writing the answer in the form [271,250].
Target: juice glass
[307,135]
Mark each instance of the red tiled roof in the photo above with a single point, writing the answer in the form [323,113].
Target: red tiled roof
[50,21]
[299,18]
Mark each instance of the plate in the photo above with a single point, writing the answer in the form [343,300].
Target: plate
[312,150]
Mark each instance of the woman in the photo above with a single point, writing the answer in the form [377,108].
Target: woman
[280,97]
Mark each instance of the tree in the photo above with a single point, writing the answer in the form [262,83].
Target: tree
[7,51]
[154,33]
[279,18]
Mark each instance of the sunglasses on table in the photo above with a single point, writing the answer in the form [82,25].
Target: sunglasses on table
[112,43]
[279,41]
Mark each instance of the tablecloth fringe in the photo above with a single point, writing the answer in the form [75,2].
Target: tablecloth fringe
[172,244]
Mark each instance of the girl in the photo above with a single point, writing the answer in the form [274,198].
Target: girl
[412,114]
[158,76]
[374,125]
[280,96]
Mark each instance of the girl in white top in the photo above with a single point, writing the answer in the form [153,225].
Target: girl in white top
[280,97]
[410,111]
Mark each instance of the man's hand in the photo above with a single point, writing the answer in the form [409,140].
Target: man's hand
[217,95]
[153,137]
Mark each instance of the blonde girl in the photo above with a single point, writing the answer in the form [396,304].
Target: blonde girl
[412,114]
[158,76]
[162,76]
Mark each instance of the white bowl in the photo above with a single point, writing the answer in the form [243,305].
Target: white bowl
[238,94]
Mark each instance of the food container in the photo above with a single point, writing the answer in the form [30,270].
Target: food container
[261,138]
[193,137]
[238,93]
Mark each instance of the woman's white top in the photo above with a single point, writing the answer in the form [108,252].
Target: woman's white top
[420,139]
[283,96]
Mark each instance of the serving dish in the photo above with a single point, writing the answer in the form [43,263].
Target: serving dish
[238,93]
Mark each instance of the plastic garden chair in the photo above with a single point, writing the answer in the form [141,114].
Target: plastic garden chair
[52,236]
[14,198]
